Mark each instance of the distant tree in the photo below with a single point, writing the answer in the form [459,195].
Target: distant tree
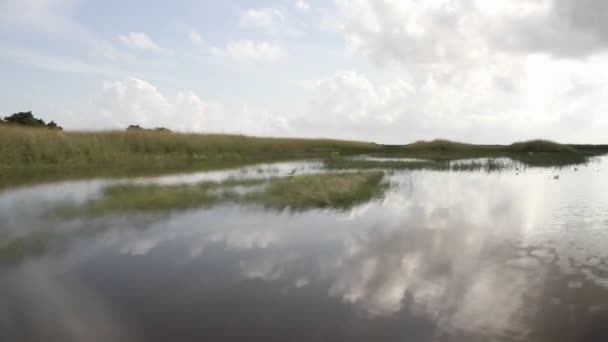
[25,119]
[28,119]
[53,125]
[139,128]
[134,128]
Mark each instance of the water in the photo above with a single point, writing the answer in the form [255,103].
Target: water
[444,256]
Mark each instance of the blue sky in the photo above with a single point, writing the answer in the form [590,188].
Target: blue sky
[387,70]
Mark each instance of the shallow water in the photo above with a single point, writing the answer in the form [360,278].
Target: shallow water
[444,256]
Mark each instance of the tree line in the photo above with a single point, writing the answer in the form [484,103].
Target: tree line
[28,119]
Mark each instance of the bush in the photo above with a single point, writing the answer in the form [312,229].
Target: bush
[28,119]
[134,128]
[139,128]
[25,119]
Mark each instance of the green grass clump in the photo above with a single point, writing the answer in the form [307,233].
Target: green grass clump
[153,197]
[327,190]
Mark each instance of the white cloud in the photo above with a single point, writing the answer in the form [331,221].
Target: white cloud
[264,18]
[445,31]
[537,99]
[249,50]
[487,71]
[134,101]
[138,40]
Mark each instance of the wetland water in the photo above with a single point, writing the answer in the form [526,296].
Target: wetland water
[442,256]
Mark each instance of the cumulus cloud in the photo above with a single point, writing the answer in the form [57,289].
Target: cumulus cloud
[138,40]
[477,70]
[568,28]
[134,101]
[350,105]
[249,50]
[447,31]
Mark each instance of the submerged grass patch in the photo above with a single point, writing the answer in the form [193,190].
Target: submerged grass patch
[326,190]
[152,197]
[487,165]
[16,248]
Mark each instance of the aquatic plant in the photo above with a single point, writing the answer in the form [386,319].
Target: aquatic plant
[326,190]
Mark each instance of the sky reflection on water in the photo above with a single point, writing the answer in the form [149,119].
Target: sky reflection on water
[444,256]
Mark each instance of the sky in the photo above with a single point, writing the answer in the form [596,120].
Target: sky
[388,71]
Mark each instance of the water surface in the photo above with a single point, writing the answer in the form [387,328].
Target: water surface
[443,256]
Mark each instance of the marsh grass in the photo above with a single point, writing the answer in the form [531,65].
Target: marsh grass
[325,190]
[154,197]
[484,164]
[30,155]
[27,154]
[539,153]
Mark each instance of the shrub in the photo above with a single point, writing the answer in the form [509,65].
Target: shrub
[28,119]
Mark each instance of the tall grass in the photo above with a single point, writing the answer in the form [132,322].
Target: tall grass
[34,154]
[27,153]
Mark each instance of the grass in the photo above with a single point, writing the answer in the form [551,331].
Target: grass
[153,197]
[29,154]
[326,190]
[530,153]
[488,165]
[340,191]
[34,155]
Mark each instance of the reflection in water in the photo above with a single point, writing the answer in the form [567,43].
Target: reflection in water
[443,257]
[42,303]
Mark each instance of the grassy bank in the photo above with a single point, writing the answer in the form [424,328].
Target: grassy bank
[530,153]
[35,155]
[28,154]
